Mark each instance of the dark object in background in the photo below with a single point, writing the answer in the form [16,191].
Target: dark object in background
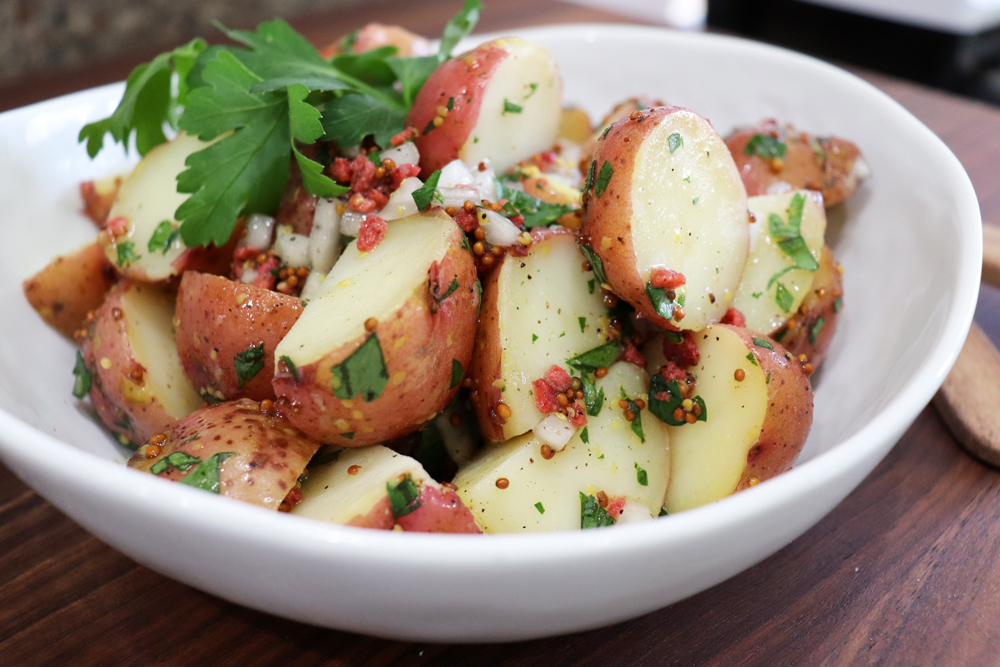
[962,63]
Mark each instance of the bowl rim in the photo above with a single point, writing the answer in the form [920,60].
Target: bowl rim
[173,502]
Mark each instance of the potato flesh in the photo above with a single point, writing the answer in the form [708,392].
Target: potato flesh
[762,312]
[528,78]
[149,314]
[330,493]
[368,284]
[147,197]
[556,483]
[708,458]
[547,305]
[689,214]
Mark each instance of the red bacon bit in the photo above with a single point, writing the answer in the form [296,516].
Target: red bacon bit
[517,220]
[580,418]
[265,279]
[402,172]
[734,317]
[632,355]
[615,507]
[117,226]
[545,397]
[684,353]
[671,372]
[558,378]
[408,133]
[667,278]
[341,170]
[372,232]
[243,253]
[466,220]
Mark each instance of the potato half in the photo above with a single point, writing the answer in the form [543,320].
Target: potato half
[664,193]
[605,456]
[71,286]
[538,310]
[137,384]
[815,321]
[384,346]
[759,407]
[500,102]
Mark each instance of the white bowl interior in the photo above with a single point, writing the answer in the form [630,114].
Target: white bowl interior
[910,242]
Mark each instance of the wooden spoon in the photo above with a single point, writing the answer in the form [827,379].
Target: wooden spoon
[969,399]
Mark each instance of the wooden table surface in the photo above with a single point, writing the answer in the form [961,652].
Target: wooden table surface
[906,571]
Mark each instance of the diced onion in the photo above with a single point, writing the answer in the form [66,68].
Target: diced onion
[634,513]
[405,153]
[401,202]
[484,181]
[457,196]
[248,276]
[555,432]
[324,241]
[260,229]
[453,174]
[458,441]
[498,229]
[313,285]
[292,248]
[350,223]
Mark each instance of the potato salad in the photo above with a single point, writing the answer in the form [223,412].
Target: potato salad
[384,285]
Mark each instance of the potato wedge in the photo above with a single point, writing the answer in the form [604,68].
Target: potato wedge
[816,318]
[538,310]
[758,405]
[774,159]
[374,487]
[234,449]
[383,347]
[667,216]
[70,287]
[227,333]
[606,457]
[137,384]
[500,102]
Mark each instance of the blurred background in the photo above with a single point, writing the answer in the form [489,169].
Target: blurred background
[56,46]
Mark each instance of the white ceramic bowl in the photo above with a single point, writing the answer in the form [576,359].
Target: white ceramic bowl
[910,241]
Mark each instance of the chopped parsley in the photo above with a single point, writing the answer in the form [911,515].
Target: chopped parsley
[593,398]
[206,475]
[126,253]
[179,460]
[838,303]
[789,237]
[752,359]
[585,435]
[783,297]
[82,379]
[324,456]
[640,475]
[637,421]
[760,342]
[664,409]
[438,299]
[765,146]
[592,515]
[425,194]
[591,285]
[662,303]
[456,373]
[248,363]
[540,507]
[510,107]
[815,329]
[596,264]
[363,372]
[292,368]
[603,178]
[534,337]
[431,453]
[589,181]
[163,238]
[403,497]
[591,360]
[674,141]
[535,212]
[583,323]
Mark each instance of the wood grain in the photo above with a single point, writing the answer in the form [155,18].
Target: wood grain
[903,572]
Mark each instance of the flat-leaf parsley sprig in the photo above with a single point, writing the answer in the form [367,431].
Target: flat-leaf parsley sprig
[256,104]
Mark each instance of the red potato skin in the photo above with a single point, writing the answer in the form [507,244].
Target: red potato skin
[97,204]
[440,511]
[70,287]
[216,319]
[377,35]
[269,453]
[789,411]
[621,110]
[463,78]
[801,167]
[821,301]
[610,215]
[418,346]
[133,421]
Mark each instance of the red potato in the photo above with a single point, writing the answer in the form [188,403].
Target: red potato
[70,287]
[374,487]
[499,103]
[383,347]
[621,110]
[667,215]
[225,330]
[98,198]
[377,35]
[258,456]
[142,238]
[759,407]
[816,320]
[137,384]
[830,165]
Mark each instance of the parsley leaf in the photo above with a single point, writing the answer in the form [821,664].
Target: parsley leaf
[180,460]
[126,253]
[783,297]
[83,380]
[585,435]
[536,213]
[583,323]
[510,107]
[163,237]
[248,363]
[641,475]
[674,141]
[591,360]
[423,195]
[637,421]
[148,103]
[292,368]
[815,329]
[540,507]
[765,146]
[304,121]
[458,27]
[662,304]
[403,497]
[363,372]
[760,342]
[596,264]
[589,181]
[593,398]
[752,359]
[663,409]
[206,475]
[593,515]
[457,372]
[838,303]
[603,178]
[789,237]
[348,119]
[431,453]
